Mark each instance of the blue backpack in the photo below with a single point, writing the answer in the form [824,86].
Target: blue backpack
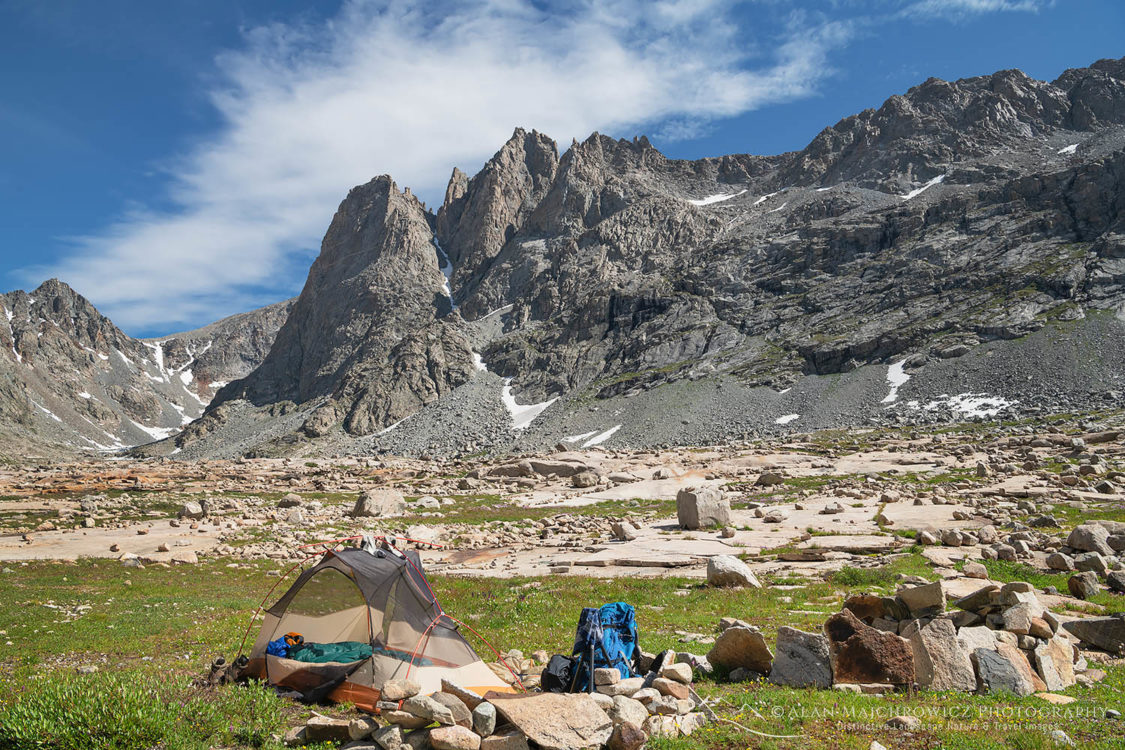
[606,637]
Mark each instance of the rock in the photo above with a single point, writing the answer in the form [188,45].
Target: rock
[979,600]
[466,696]
[192,510]
[769,479]
[1116,581]
[1083,585]
[626,686]
[1017,618]
[678,672]
[628,736]
[999,674]
[928,599]
[906,722]
[425,707]
[397,690]
[677,690]
[972,638]
[622,532]
[362,727]
[832,509]
[1090,537]
[975,570]
[1091,561]
[556,721]
[1059,561]
[507,740]
[405,719]
[326,729]
[461,713]
[803,659]
[698,508]
[862,654]
[867,607]
[729,571]
[939,661]
[626,709]
[740,646]
[388,738]
[379,503]
[775,515]
[291,500]
[454,738]
[1106,633]
[606,676]
[1054,661]
[584,479]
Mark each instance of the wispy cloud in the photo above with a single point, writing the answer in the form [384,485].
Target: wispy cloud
[411,90]
[956,9]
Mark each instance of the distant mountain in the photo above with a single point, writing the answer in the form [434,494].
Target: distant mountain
[71,380]
[969,233]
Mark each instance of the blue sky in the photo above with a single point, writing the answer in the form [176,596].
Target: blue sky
[179,161]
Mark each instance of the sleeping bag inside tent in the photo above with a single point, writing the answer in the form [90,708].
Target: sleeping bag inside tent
[357,618]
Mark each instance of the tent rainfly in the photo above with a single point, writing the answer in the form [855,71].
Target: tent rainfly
[366,615]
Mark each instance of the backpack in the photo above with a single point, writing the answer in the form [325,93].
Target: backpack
[606,638]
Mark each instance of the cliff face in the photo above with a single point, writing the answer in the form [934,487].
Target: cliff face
[366,339]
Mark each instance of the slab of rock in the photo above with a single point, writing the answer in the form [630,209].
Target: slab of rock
[701,507]
[507,740]
[999,673]
[462,715]
[468,697]
[555,721]
[1054,661]
[939,661]
[867,607]
[862,654]
[740,646]
[979,600]
[626,709]
[1090,537]
[729,571]
[1106,633]
[1083,585]
[379,503]
[397,690]
[803,659]
[928,599]
[455,737]
[628,736]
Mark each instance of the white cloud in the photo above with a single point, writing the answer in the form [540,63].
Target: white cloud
[964,8]
[391,87]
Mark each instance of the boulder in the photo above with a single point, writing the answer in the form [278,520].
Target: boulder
[741,646]
[924,600]
[291,500]
[728,570]
[397,690]
[678,672]
[979,600]
[626,709]
[1004,670]
[1054,661]
[455,737]
[461,713]
[1059,561]
[1090,537]
[974,637]
[1106,633]
[584,479]
[555,721]
[1116,581]
[511,739]
[388,738]
[192,510]
[379,503]
[1083,585]
[628,736]
[698,508]
[939,661]
[862,654]
[803,659]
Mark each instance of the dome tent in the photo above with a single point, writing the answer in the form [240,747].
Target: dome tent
[374,604]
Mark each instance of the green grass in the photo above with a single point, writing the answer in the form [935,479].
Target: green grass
[1006,571]
[153,630]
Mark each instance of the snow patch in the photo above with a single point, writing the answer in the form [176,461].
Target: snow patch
[497,311]
[716,198]
[46,411]
[896,378]
[83,394]
[1068,149]
[522,414]
[787,419]
[445,265]
[918,191]
[783,391]
[219,384]
[601,437]
[576,438]
[775,210]
[478,363]
[186,376]
[971,404]
[385,430]
[764,198]
[157,433]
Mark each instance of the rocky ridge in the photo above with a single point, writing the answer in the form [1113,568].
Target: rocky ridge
[70,380]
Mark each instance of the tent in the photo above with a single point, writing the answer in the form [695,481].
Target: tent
[366,614]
